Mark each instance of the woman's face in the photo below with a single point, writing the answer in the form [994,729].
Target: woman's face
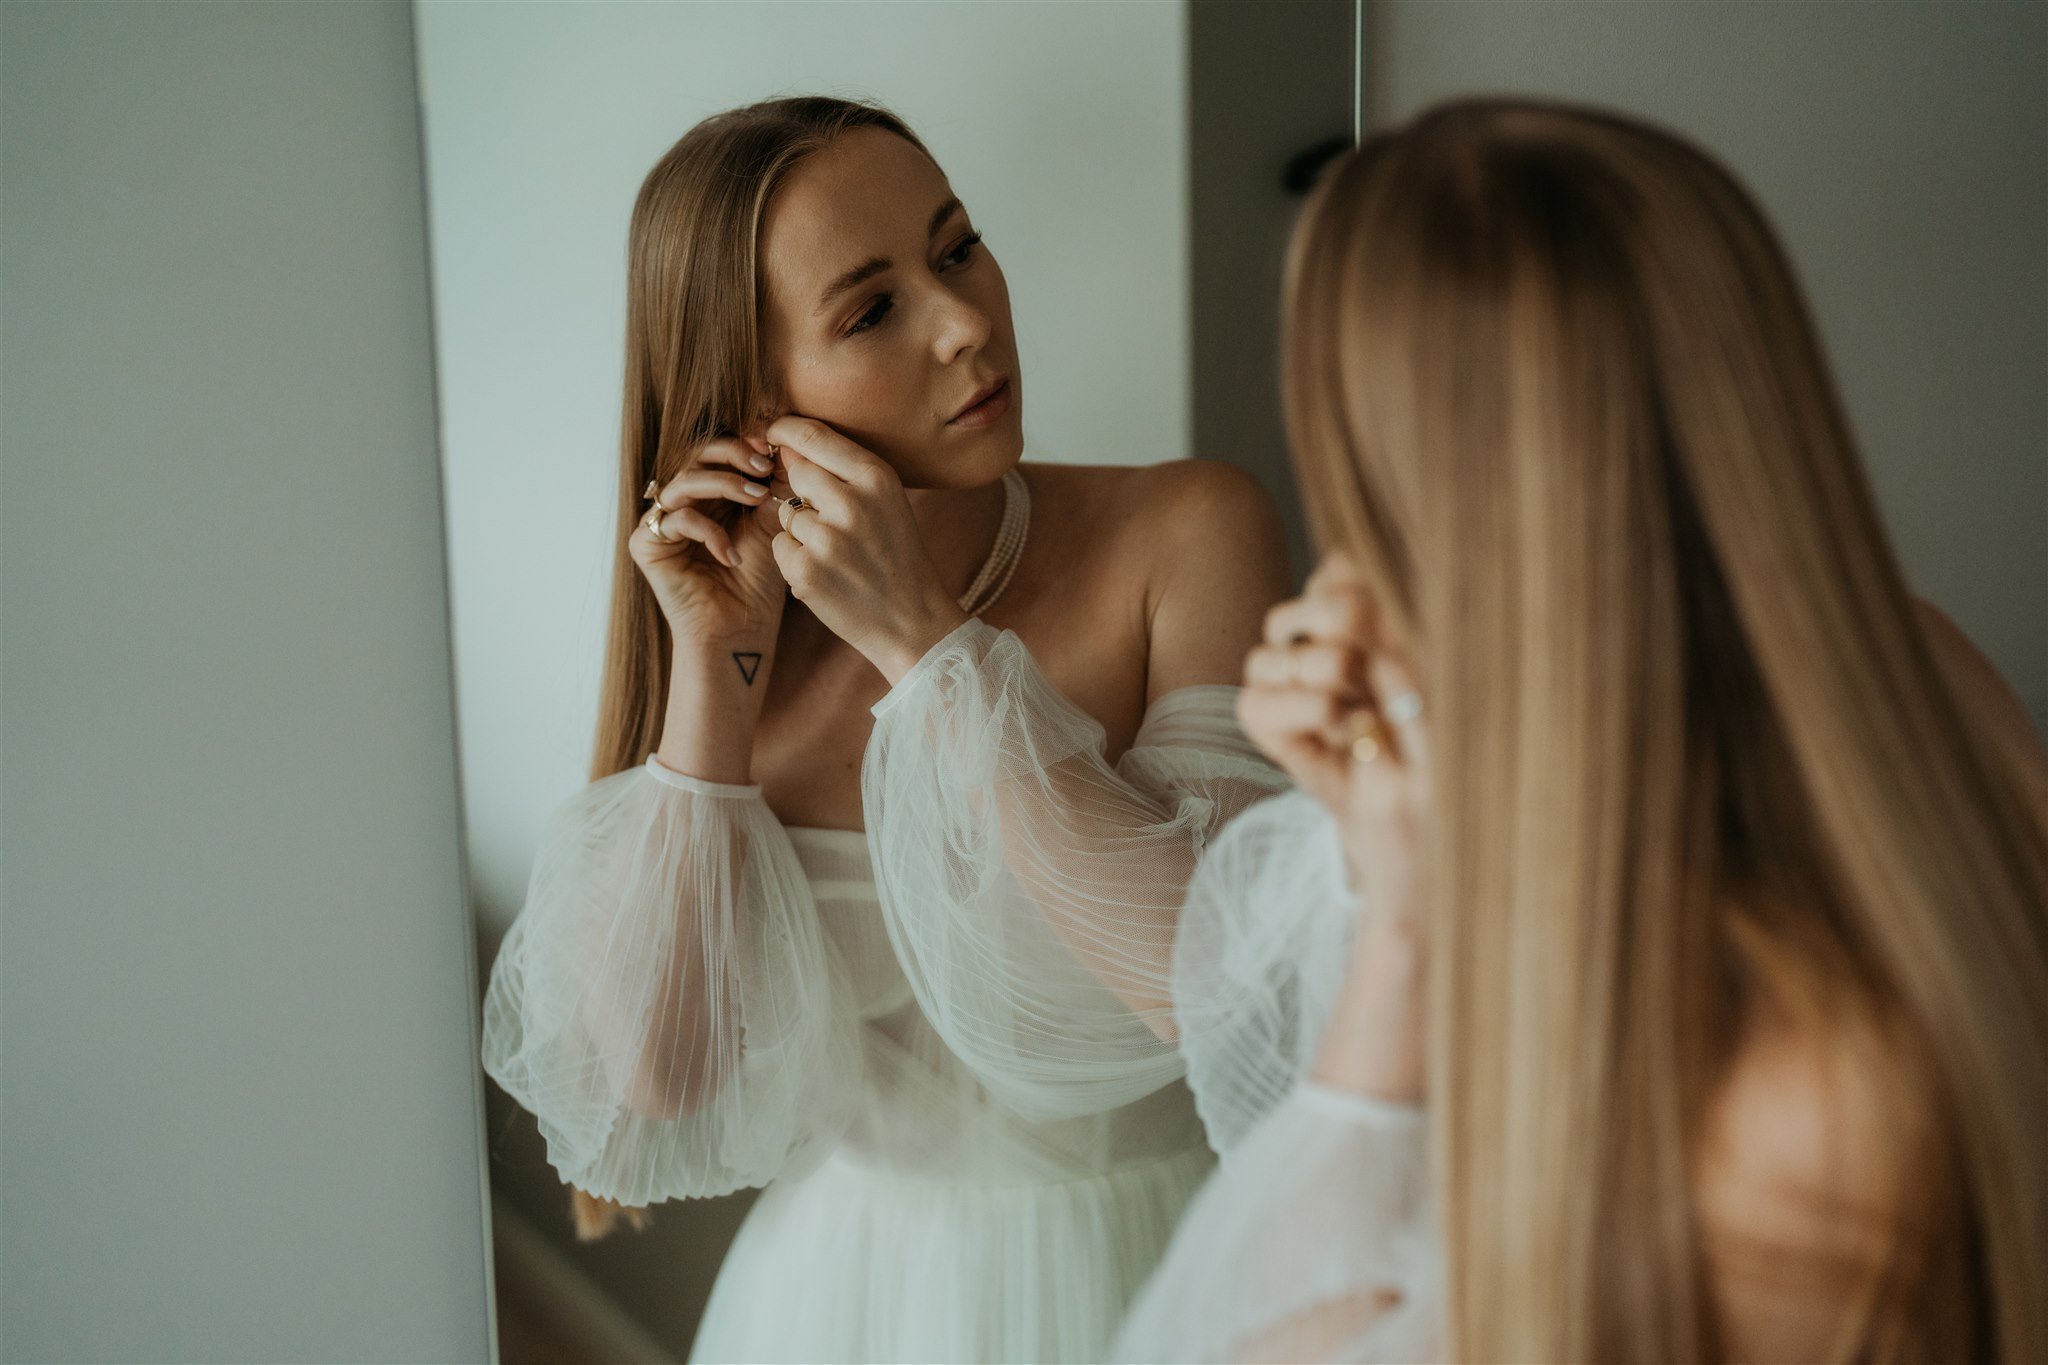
[885,316]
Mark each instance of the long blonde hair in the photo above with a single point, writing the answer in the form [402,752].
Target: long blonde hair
[1550,380]
[695,369]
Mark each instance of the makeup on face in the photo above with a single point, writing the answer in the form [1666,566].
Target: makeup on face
[888,317]
[987,405]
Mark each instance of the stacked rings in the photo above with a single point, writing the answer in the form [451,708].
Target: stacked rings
[652,521]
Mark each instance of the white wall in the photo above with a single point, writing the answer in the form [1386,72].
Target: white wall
[241,1110]
[1062,126]
[1902,151]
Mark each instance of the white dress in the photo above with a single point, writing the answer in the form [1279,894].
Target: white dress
[1313,1241]
[933,1042]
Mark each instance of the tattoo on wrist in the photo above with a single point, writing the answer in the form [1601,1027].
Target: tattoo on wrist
[749,665]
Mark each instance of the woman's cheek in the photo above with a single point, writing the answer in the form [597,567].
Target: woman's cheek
[836,392]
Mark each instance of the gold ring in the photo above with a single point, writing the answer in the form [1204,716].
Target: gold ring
[1367,735]
[652,521]
[651,492]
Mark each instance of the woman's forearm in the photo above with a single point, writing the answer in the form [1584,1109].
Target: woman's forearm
[714,707]
[1373,1043]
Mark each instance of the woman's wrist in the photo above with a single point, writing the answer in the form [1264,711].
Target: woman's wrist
[715,693]
[1372,1042]
[910,644]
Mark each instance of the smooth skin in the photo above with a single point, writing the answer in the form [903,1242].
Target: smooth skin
[1135,580]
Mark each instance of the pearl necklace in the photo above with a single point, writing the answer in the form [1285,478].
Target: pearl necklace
[1008,549]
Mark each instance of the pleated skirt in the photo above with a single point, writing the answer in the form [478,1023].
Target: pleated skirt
[856,1264]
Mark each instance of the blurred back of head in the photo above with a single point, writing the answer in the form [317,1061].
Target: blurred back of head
[1551,381]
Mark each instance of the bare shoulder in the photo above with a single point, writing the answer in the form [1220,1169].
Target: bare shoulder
[1215,560]
[1157,516]
[1207,487]
[1203,515]
[1797,1191]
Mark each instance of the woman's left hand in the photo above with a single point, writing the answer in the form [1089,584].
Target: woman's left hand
[853,553]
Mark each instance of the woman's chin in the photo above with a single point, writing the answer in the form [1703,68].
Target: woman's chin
[965,464]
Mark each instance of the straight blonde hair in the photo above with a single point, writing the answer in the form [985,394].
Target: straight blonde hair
[1549,378]
[695,369]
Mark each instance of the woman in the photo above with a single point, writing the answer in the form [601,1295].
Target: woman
[871,898]
[1700,888]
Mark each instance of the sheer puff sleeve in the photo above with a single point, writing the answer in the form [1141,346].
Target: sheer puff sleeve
[1031,889]
[665,1002]
[1312,1245]
[1264,942]
[1312,1241]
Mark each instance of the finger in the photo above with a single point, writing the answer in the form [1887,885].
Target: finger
[686,524]
[1339,613]
[833,453]
[786,518]
[708,482]
[1284,710]
[1393,685]
[1283,724]
[1328,669]
[790,558]
[1336,567]
[732,452]
[823,492]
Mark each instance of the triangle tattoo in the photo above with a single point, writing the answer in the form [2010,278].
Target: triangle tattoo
[749,664]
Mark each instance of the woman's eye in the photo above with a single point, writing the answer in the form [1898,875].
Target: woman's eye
[959,254]
[877,310]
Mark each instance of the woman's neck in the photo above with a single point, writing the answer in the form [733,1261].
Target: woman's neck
[958,527]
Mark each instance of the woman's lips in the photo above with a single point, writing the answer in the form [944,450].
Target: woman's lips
[981,413]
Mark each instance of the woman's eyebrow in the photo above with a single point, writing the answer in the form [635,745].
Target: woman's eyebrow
[943,212]
[868,269]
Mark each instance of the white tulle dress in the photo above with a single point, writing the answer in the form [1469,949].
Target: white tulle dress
[1313,1241]
[941,1043]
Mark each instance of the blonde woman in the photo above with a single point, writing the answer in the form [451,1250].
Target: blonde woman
[1694,1004]
[907,751]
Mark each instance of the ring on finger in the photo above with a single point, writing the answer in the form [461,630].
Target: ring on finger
[1406,708]
[1366,734]
[790,507]
[652,521]
[653,494]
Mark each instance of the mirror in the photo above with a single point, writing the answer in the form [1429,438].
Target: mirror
[1133,167]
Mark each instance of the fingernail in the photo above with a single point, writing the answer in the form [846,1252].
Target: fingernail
[762,464]
[756,489]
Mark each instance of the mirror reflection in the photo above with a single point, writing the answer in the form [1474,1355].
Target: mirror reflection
[843,710]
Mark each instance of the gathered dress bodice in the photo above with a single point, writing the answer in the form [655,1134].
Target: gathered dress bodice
[921,1112]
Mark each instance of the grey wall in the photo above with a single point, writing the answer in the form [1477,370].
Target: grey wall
[240,1117]
[1266,82]
[1902,151]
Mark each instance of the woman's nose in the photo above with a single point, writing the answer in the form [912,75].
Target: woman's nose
[962,325]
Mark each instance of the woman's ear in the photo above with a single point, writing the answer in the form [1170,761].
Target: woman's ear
[772,406]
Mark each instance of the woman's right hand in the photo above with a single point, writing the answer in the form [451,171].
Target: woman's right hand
[714,575]
[1324,667]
